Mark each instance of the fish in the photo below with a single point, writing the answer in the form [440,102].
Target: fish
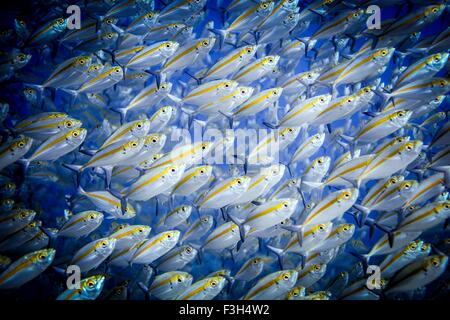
[243,149]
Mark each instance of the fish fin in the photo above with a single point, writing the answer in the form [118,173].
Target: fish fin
[221,33]
[229,117]
[123,113]
[198,79]
[175,99]
[240,224]
[271,126]
[364,258]
[279,253]
[364,213]
[88,152]
[75,168]
[298,229]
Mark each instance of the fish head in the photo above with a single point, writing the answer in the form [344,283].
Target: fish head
[109,21]
[411,148]
[318,139]
[441,85]
[116,73]
[400,117]
[155,141]
[181,280]
[92,286]
[168,48]
[94,68]
[206,222]
[408,187]
[291,20]
[322,101]
[188,253]
[146,164]
[174,172]
[164,88]
[290,5]
[206,44]
[289,134]
[83,63]
[320,231]
[320,165]
[43,257]
[383,56]
[170,238]
[287,278]
[367,93]
[345,231]
[6,204]
[296,292]
[438,60]
[21,59]
[240,184]
[248,51]
[310,77]
[348,196]
[150,18]
[215,284]
[435,264]
[264,8]
[413,248]
[433,12]
[93,217]
[105,246]
[204,172]
[140,127]
[75,137]
[69,123]
[141,232]
[59,25]
[30,94]
[318,269]
[425,249]
[270,62]
[443,209]
[109,37]
[275,171]
[184,211]
[288,205]
[21,143]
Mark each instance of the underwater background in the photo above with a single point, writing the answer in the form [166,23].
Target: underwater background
[51,190]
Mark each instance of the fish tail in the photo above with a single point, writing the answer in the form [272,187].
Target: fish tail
[364,258]
[123,113]
[278,252]
[229,117]
[365,211]
[298,229]
[240,224]
[221,33]
[270,125]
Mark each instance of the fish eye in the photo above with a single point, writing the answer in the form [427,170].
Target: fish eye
[321,227]
[227,85]
[349,100]
[270,60]
[442,83]
[91,216]
[213,283]
[345,228]
[317,267]
[204,219]
[321,100]
[173,170]
[291,130]
[409,146]
[286,276]
[104,243]
[435,262]
[168,45]
[42,256]
[202,171]
[239,181]
[407,186]
[366,90]
[90,284]
[154,140]
[163,86]
[169,236]
[75,134]
[255,261]
[249,51]
[117,70]
[179,279]
[383,52]
[134,144]
[21,144]
[60,21]
[188,249]
[347,195]
[205,43]
[264,5]
[139,125]
[447,206]
[320,161]
[285,204]
[435,9]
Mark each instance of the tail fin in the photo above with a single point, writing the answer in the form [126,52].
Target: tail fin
[123,113]
[239,223]
[75,168]
[364,213]
[271,126]
[279,253]
[222,35]
[298,229]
